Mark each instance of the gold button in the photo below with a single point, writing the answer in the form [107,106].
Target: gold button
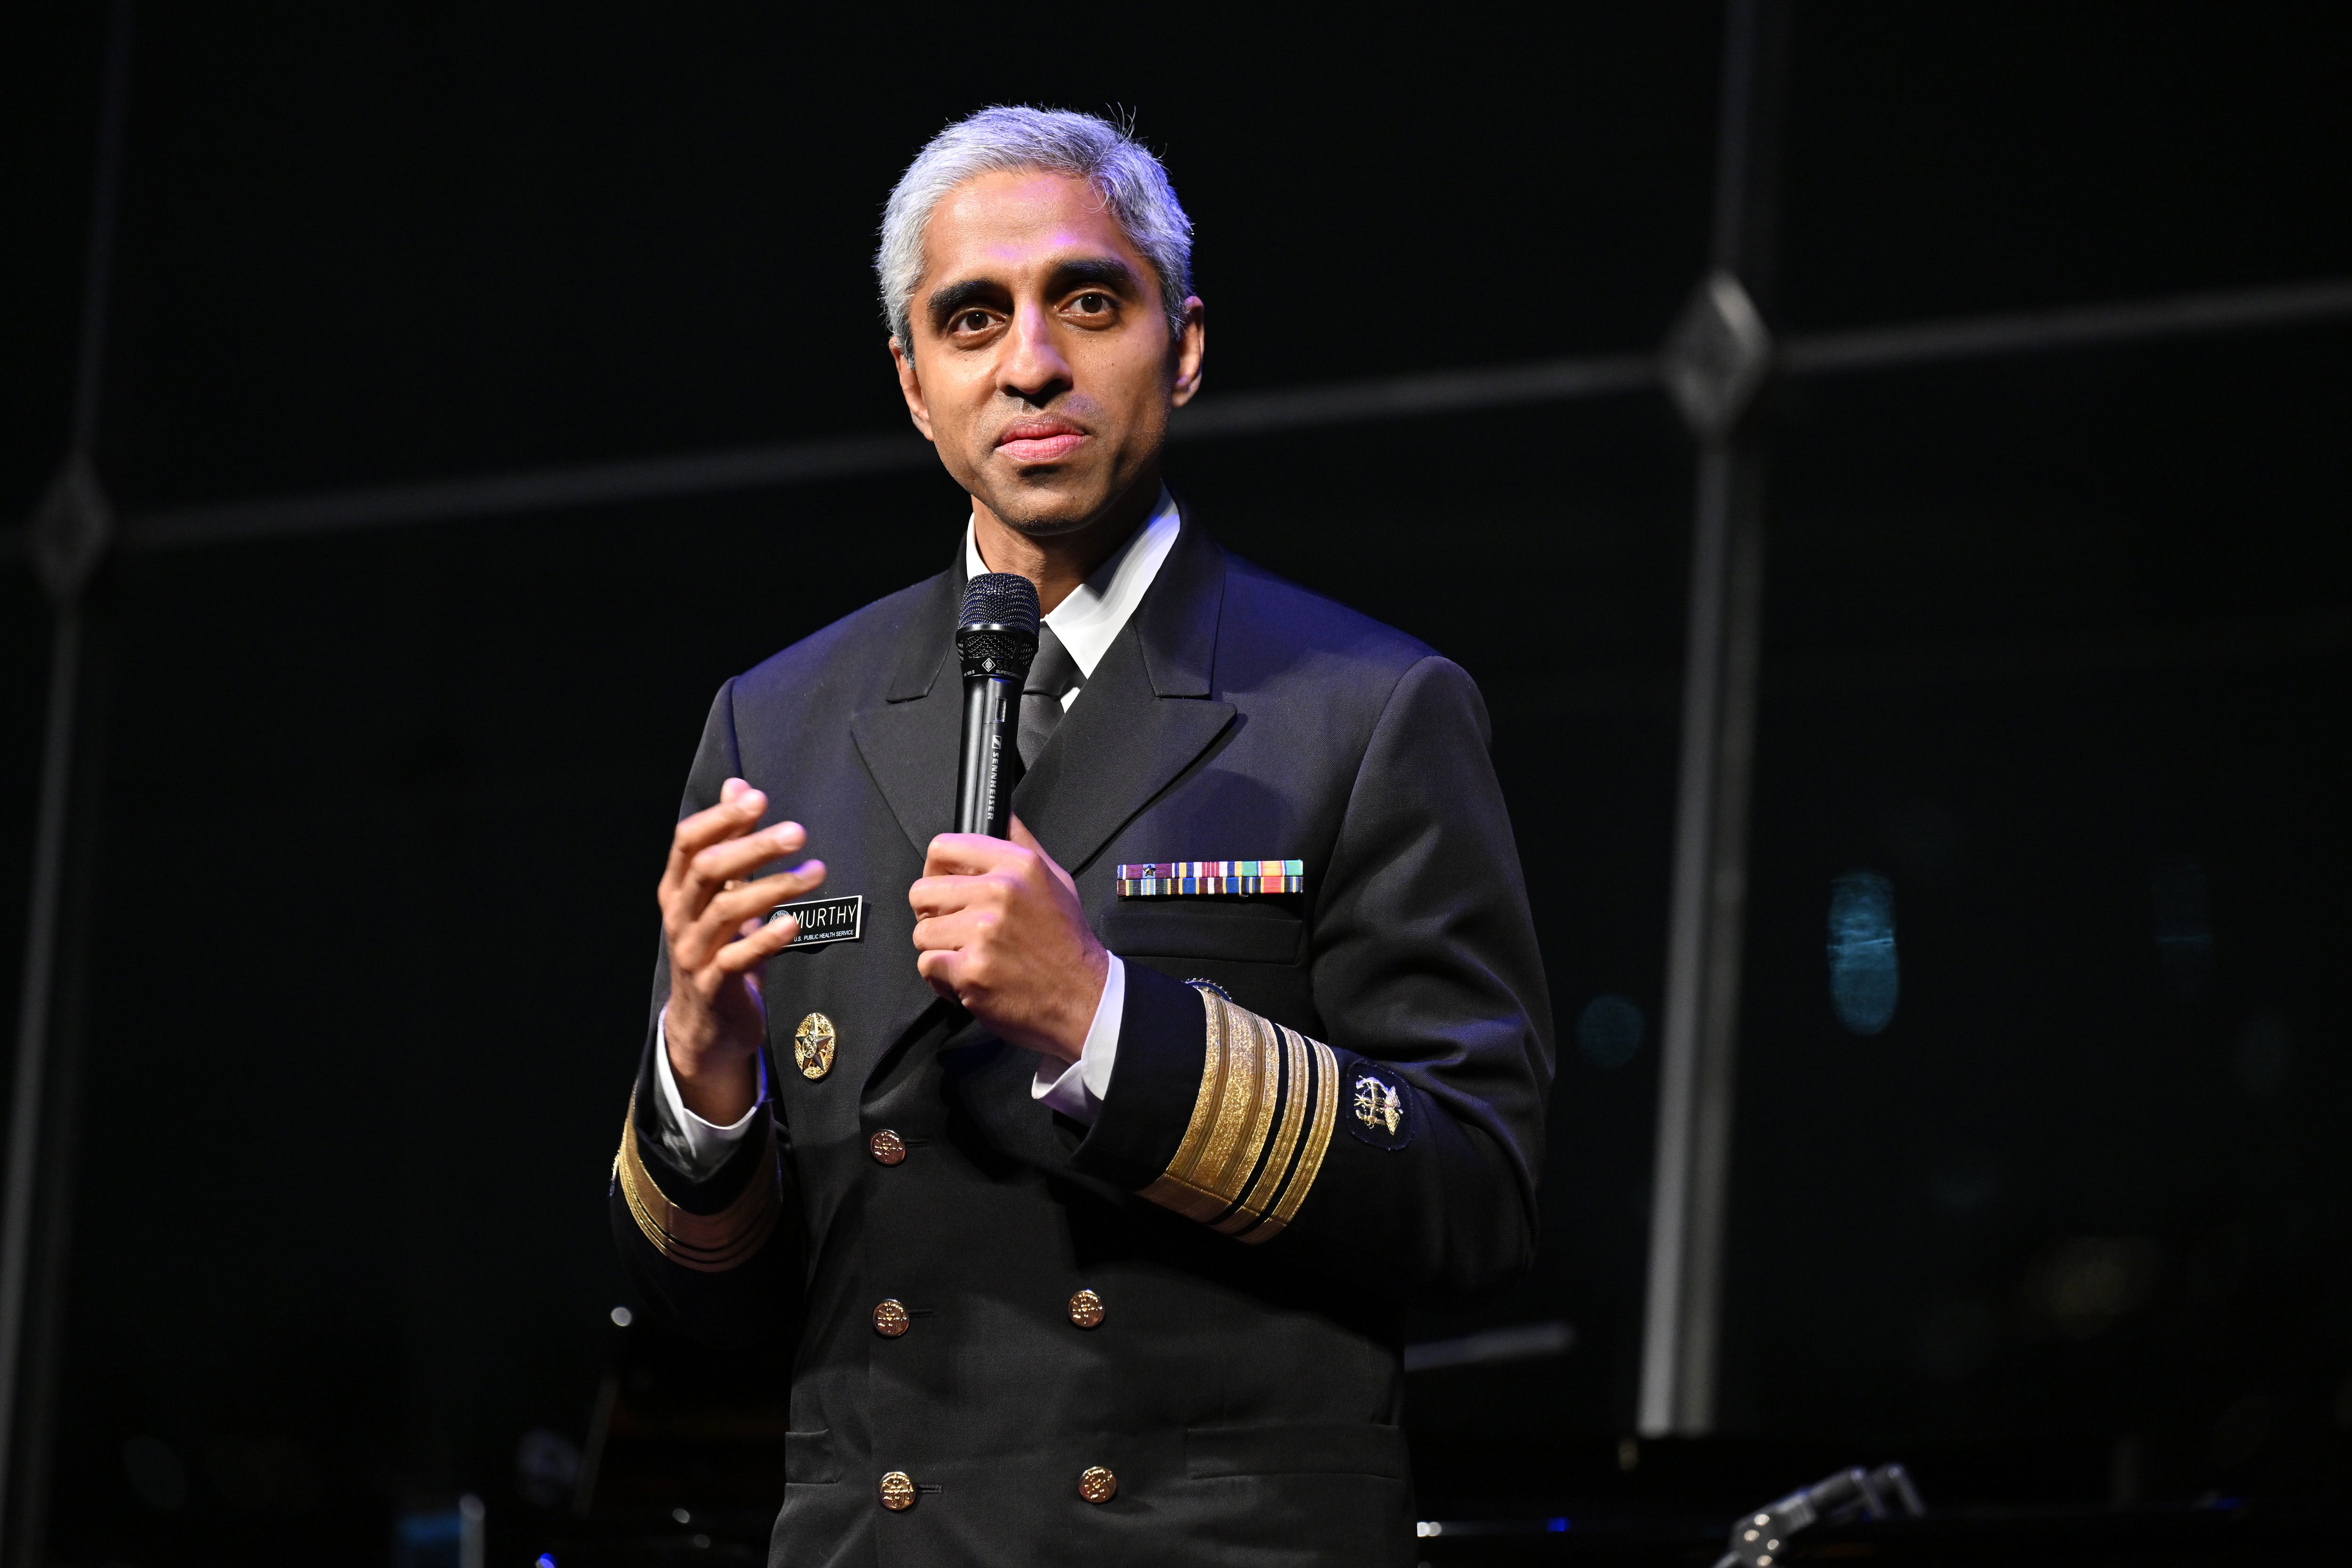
[812,1046]
[890,1318]
[1097,1485]
[887,1147]
[897,1491]
[1087,1311]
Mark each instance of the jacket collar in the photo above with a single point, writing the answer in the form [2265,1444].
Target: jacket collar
[927,639]
[1178,621]
[1148,712]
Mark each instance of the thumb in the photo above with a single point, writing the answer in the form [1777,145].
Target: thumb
[1027,840]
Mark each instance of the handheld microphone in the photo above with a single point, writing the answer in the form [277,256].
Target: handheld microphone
[996,638]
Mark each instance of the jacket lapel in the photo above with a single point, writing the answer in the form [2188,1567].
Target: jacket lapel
[1145,717]
[909,744]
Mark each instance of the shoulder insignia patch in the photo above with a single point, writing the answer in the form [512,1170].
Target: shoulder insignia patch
[1378,1110]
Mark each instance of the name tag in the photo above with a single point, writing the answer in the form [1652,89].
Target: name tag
[1210,878]
[824,919]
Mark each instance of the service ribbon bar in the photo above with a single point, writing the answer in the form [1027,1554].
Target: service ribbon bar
[1202,879]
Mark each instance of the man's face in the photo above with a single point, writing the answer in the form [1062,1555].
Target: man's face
[1043,368]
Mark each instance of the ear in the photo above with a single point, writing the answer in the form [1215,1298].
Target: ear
[1191,346]
[911,387]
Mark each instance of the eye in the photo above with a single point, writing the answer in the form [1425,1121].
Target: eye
[1091,304]
[970,322]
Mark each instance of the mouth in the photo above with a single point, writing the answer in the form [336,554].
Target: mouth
[1039,440]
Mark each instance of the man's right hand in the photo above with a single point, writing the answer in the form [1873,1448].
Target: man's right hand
[712,919]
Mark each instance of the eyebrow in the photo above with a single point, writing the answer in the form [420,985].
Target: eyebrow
[950,297]
[1108,271]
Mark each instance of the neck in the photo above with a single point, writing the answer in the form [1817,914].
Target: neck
[1058,563]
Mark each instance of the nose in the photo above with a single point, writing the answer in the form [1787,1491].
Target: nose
[1032,368]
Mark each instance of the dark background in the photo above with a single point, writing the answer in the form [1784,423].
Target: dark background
[370,821]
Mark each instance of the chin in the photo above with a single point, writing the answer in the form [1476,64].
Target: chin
[1042,514]
[1050,526]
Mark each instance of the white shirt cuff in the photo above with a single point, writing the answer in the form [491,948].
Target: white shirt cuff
[700,1147]
[1077,1089]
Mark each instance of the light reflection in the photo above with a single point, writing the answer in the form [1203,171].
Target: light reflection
[2265,1052]
[2084,1283]
[1964,1182]
[1864,983]
[2184,923]
[1608,1031]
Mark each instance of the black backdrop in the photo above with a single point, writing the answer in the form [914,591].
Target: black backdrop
[373,818]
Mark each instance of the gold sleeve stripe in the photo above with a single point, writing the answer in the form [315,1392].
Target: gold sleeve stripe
[1297,1099]
[1205,1105]
[1245,1092]
[706,1243]
[1259,1128]
[1177,1187]
[1319,1140]
[1265,1108]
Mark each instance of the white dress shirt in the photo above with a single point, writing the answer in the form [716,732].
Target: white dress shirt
[1087,622]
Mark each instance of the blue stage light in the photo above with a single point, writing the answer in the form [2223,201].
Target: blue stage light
[1863,980]
[1608,1031]
[2184,923]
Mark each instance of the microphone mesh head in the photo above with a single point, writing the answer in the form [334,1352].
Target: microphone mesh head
[1001,599]
[997,633]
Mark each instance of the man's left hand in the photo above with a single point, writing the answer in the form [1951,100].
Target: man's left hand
[999,929]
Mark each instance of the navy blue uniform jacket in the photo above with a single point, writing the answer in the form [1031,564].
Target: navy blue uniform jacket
[1345,1117]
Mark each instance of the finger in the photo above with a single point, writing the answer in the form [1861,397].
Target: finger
[753,901]
[694,939]
[946,933]
[718,825]
[969,855]
[938,970]
[692,898]
[710,870]
[749,952]
[737,812]
[1024,838]
[730,860]
[943,895]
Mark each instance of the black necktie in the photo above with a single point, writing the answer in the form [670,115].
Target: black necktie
[1052,674]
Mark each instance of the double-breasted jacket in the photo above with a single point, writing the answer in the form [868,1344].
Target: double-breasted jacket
[1171,1336]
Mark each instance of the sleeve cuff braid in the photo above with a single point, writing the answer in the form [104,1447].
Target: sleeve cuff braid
[1260,1126]
[706,1243]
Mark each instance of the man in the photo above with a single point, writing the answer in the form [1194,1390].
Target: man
[1093,1180]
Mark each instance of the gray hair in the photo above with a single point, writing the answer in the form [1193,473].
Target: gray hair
[1007,139]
